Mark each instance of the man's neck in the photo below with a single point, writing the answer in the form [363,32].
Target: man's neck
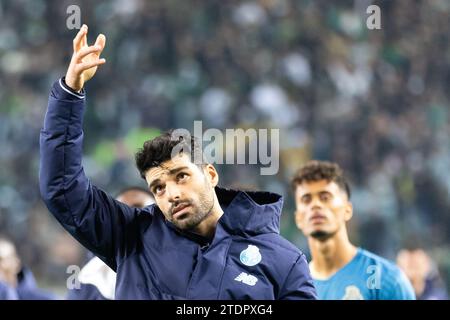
[330,255]
[207,228]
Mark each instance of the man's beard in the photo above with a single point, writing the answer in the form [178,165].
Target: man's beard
[322,235]
[199,212]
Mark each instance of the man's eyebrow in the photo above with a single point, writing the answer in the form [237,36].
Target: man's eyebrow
[171,172]
[156,181]
[175,170]
[305,194]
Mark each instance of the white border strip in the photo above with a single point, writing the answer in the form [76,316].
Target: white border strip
[68,91]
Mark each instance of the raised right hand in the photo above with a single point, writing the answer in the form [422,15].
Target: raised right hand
[85,59]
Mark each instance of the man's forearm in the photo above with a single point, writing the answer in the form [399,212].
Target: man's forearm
[60,155]
[61,151]
[65,109]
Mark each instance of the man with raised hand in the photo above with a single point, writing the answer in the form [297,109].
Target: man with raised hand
[198,241]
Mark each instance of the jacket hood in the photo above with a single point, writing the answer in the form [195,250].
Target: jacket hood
[249,212]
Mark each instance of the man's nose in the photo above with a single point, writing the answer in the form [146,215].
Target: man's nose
[173,192]
[316,203]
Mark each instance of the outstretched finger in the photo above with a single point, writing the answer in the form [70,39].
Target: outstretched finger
[84,40]
[100,42]
[86,51]
[77,41]
[87,65]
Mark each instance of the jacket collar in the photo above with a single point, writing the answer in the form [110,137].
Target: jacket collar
[249,213]
[245,213]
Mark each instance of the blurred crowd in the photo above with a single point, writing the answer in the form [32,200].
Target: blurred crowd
[375,101]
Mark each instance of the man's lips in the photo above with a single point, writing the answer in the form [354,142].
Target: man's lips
[317,217]
[179,209]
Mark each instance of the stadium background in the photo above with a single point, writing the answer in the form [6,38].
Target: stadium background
[375,101]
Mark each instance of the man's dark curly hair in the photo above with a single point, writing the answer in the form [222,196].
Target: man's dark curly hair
[158,150]
[316,170]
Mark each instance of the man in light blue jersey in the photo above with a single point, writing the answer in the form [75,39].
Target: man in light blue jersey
[339,269]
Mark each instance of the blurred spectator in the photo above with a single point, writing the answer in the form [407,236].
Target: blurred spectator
[17,277]
[423,274]
[9,267]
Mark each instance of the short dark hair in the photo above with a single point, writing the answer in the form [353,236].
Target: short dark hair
[316,170]
[158,150]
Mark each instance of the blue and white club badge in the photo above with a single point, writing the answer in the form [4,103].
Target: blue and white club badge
[250,256]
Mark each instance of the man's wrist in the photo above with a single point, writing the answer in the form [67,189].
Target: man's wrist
[79,94]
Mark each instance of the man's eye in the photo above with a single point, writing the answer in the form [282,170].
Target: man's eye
[182,176]
[306,199]
[325,197]
[158,190]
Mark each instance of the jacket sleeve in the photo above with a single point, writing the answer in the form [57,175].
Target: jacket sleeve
[298,284]
[103,225]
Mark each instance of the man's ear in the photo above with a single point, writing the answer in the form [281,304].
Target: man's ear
[298,219]
[211,174]
[348,211]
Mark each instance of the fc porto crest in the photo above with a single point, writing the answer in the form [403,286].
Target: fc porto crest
[352,293]
[250,256]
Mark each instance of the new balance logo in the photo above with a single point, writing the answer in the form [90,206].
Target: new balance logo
[247,279]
